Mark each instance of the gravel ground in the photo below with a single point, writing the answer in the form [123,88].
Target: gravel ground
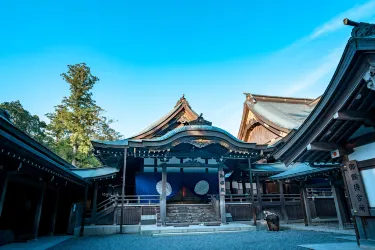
[288,239]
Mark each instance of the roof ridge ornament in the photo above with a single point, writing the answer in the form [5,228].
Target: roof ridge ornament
[182,100]
[360,29]
[200,121]
[250,97]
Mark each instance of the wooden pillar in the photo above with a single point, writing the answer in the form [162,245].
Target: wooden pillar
[38,211]
[306,204]
[163,200]
[282,201]
[94,203]
[338,205]
[4,182]
[123,189]
[243,183]
[84,211]
[252,192]
[222,195]
[259,196]
[54,214]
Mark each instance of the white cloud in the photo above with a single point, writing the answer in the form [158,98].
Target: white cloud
[357,13]
[327,65]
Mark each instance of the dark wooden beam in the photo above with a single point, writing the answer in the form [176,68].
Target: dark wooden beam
[38,212]
[84,212]
[324,146]
[251,191]
[123,189]
[259,196]
[282,201]
[54,214]
[354,115]
[4,178]
[94,204]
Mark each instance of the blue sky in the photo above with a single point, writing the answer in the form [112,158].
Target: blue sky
[148,53]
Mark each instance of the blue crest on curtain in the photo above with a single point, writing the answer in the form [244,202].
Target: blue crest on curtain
[145,183]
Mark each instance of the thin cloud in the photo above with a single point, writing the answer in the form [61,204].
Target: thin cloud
[356,13]
[328,64]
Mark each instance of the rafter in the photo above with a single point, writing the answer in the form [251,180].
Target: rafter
[324,146]
[354,115]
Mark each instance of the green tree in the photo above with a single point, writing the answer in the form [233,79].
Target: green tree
[78,120]
[28,123]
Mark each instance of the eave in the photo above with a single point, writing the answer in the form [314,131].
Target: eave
[340,95]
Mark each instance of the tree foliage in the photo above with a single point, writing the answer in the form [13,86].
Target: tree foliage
[30,124]
[78,119]
[73,124]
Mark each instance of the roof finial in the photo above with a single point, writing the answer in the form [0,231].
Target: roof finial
[360,29]
[200,121]
[182,101]
[250,97]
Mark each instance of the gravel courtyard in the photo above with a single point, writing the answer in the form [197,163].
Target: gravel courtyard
[288,239]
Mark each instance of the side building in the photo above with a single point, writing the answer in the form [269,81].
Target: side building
[268,119]
[341,129]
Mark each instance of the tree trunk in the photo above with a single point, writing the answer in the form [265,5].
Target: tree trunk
[74,161]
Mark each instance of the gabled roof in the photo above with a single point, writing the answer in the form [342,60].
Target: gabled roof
[278,114]
[284,112]
[178,116]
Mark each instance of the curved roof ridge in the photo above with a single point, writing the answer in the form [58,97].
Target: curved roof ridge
[195,127]
[285,99]
[182,103]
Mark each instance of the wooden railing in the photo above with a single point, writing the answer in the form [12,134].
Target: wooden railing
[277,197]
[238,198]
[137,199]
[129,200]
[265,198]
[319,193]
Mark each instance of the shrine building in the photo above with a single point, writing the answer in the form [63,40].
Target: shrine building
[307,160]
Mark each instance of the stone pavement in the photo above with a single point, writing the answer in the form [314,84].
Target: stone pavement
[255,240]
[319,228]
[333,246]
[41,243]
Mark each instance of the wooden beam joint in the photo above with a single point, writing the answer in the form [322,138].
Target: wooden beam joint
[354,115]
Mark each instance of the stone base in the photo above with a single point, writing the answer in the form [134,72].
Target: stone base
[107,229]
[228,217]
[148,219]
[194,229]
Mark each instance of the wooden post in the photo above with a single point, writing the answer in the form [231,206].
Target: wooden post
[252,192]
[94,204]
[163,202]
[84,211]
[222,194]
[338,205]
[38,212]
[4,183]
[54,214]
[243,184]
[307,207]
[282,201]
[123,189]
[259,197]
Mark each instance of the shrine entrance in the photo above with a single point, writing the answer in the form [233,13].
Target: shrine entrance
[185,196]
[185,168]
